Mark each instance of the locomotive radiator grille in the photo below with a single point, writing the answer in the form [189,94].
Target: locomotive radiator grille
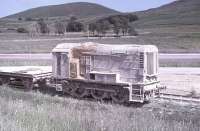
[142,60]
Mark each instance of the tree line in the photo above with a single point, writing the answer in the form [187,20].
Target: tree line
[42,27]
[117,24]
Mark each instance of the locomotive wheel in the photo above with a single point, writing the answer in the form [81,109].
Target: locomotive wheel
[42,83]
[120,96]
[67,88]
[79,91]
[98,95]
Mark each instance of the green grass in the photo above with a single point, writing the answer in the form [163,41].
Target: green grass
[169,39]
[28,111]
[182,12]
[180,39]
[191,35]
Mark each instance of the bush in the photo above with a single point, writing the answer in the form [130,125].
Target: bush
[132,17]
[22,30]
[28,19]
[19,18]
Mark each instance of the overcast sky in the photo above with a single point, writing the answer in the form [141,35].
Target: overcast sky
[8,7]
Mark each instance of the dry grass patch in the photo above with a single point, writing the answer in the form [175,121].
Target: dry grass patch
[28,111]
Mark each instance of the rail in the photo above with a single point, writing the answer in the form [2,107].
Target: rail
[179,98]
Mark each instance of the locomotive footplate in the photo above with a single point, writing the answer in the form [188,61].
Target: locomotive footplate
[79,88]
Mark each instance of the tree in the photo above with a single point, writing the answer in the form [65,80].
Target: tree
[59,28]
[98,28]
[74,26]
[79,26]
[34,29]
[102,26]
[92,28]
[125,28]
[132,17]
[114,19]
[116,29]
[43,27]
[124,25]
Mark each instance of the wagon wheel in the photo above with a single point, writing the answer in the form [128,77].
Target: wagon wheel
[67,87]
[120,96]
[4,81]
[98,95]
[79,91]
[28,84]
[42,83]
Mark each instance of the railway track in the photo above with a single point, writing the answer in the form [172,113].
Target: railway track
[179,98]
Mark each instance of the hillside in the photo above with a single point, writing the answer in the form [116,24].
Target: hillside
[180,12]
[78,9]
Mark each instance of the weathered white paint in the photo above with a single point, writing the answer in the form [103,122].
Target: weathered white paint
[123,60]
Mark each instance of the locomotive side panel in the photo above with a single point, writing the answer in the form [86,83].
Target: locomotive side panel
[125,66]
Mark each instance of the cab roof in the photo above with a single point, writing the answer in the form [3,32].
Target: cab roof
[105,48]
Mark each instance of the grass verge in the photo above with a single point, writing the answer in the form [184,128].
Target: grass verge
[29,111]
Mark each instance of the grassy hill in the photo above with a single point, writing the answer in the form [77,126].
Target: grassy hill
[180,12]
[78,9]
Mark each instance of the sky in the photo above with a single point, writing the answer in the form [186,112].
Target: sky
[8,7]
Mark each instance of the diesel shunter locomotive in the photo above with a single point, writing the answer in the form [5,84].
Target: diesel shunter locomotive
[120,72]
